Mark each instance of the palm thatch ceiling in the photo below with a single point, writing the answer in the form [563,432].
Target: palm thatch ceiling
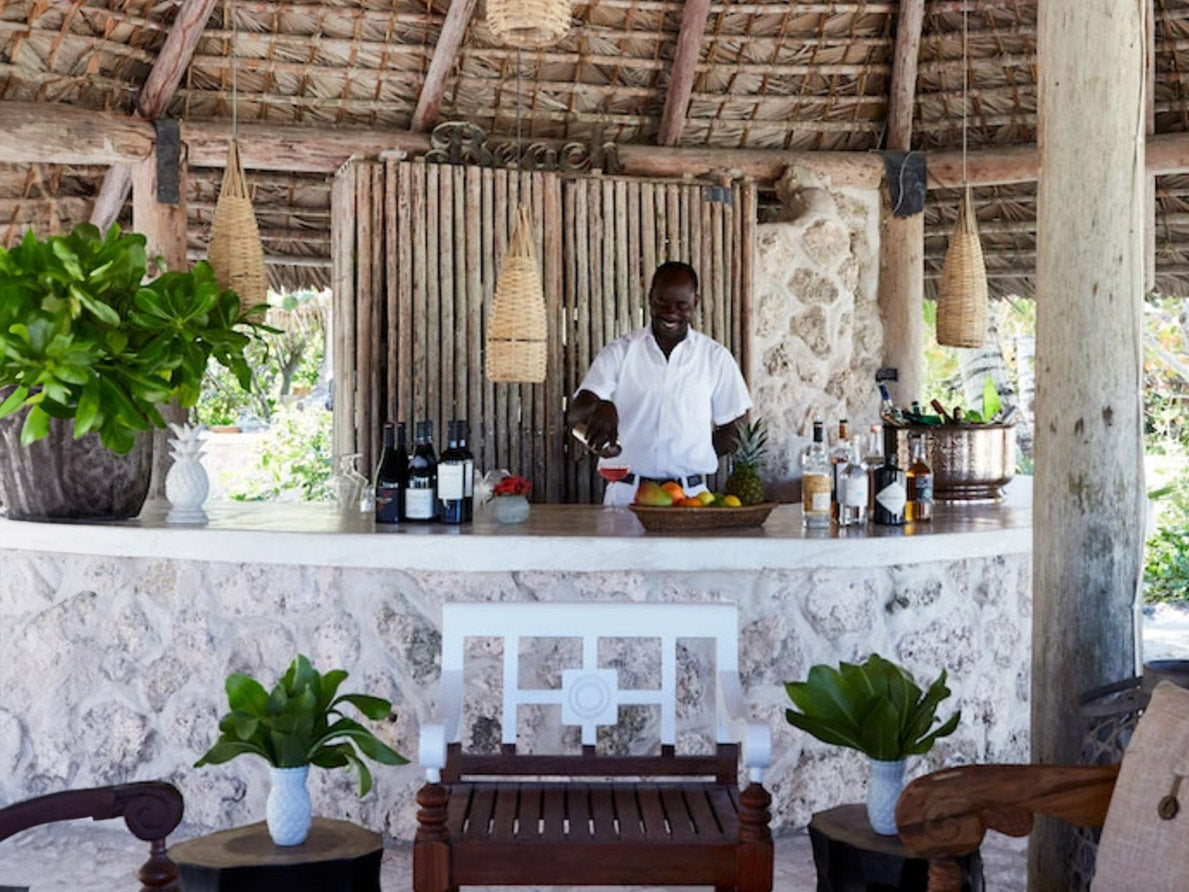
[778,74]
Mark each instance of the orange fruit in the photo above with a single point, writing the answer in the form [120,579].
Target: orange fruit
[690,503]
[674,489]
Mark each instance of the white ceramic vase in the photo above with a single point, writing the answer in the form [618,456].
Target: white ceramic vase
[511,509]
[887,781]
[288,807]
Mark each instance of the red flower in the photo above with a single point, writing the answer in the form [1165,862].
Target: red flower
[512,486]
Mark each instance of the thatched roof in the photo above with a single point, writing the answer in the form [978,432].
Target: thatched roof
[775,74]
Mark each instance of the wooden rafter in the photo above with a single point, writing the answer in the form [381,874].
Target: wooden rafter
[454,29]
[685,66]
[153,100]
[904,74]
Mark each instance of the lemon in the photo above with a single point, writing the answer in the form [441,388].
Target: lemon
[706,498]
[732,502]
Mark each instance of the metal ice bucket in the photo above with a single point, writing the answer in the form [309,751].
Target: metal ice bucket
[970,464]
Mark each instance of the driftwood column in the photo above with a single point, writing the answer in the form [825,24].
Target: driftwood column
[1089,494]
[902,239]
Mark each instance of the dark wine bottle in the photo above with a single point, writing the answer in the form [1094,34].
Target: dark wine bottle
[891,492]
[421,495]
[468,473]
[452,478]
[392,475]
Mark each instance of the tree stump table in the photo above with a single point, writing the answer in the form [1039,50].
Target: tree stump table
[851,857]
[338,856]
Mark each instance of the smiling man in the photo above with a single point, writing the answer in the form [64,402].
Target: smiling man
[669,395]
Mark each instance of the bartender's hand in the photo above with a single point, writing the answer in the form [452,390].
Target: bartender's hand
[602,428]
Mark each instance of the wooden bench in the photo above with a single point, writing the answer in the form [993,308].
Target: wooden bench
[151,809]
[664,819]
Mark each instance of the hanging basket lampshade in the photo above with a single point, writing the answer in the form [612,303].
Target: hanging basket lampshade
[235,251]
[962,290]
[516,332]
[530,24]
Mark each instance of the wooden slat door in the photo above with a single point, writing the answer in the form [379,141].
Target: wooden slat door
[417,249]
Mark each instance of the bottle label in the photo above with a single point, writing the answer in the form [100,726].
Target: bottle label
[419,504]
[893,497]
[923,488]
[450,481]
[387,503]
[468,479]
[815,490]
[855,493]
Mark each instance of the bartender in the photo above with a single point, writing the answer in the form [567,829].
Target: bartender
[667,394]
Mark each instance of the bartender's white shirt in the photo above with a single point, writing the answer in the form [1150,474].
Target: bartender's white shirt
[668,409]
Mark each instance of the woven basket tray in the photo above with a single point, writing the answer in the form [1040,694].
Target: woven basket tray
[679,520]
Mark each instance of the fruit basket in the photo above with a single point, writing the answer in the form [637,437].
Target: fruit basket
[680,520]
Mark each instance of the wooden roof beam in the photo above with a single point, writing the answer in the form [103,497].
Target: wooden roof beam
[454,29]
[685,66]
[154,98]
[906,55]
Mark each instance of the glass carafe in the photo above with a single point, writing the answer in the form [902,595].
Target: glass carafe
[347,484]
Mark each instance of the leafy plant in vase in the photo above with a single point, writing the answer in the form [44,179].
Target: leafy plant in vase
[877,709]
[510,499]
[87,355]
[299,724]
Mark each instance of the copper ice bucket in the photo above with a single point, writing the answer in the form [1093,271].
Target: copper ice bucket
[970,464]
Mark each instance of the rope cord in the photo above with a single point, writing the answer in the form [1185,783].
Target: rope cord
[234,74]
[518,52]
[965,98]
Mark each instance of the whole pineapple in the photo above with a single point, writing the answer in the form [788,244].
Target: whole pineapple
[750,449]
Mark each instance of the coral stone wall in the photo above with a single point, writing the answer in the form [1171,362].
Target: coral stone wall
[816,337]
[112,669]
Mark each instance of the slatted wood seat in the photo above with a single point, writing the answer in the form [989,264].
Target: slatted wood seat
[666,819]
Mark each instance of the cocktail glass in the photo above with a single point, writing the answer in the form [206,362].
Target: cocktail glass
[613,470]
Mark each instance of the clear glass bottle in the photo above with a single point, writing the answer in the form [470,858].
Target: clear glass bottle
[839,456]
[392,475]
[853,510]
[872,459]
[920,482]
[421,494]
[888,410]
[891,491]
[816,485]
[347,483]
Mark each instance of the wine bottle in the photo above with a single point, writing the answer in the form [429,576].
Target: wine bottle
[420,497]
[815,481]
[392,475]
[839,456]
[872,460]
[891,492]
[919,507]
[853,510]
[468,473]
[451,479]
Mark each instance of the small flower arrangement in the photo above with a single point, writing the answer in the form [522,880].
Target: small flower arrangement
[511,485]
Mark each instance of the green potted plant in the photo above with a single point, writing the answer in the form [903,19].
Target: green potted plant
[877,709]
[87,354]
[299,724]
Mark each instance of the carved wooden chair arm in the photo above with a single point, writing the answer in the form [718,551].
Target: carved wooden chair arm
[945,815]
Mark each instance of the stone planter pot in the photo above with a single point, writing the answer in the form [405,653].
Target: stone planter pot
[61,478]
[288,806]
[887,782]
[511,509]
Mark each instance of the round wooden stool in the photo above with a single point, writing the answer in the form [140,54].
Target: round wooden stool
[851,857]
[338,856]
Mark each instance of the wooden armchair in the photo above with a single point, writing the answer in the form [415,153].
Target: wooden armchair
[598,819]
[151,810]
[946,814]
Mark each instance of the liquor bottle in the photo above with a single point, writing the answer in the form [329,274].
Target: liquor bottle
[891,492]
[887,409]
[815,481]
[392,475]
[872,459]
[468,473]
[839,456]
[853,511]
[920,482]
[421,494]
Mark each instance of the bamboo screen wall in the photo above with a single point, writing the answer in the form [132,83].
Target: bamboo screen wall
[417,248]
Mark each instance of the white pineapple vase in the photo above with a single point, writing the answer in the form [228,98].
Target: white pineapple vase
[288,806]
[887,781]
[186,484]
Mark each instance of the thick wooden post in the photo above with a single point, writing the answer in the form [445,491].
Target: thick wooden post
[1089,492]
[164,228]
[902,239]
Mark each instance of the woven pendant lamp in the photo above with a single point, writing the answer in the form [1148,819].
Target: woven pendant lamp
[516,331]
[235,251]
[962,291]
[529,24]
